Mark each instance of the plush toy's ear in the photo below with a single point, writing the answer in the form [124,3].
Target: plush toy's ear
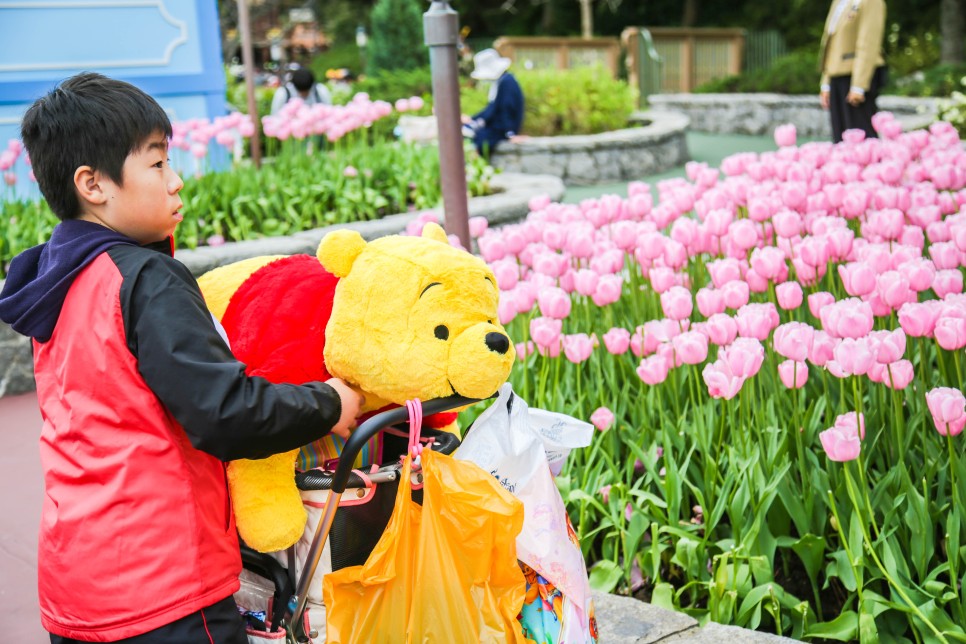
[435,232]
[339,249]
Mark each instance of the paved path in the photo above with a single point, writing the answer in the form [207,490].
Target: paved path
[21,494]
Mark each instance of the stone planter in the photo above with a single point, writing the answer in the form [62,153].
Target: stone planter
[622,155]
[509,203]
[760,114]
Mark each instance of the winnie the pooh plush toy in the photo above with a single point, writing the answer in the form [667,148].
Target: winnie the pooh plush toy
[398,318]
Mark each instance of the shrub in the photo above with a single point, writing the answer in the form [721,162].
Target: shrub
[794,73]
[940,80]
[387,85]
[397,36]
[575,101]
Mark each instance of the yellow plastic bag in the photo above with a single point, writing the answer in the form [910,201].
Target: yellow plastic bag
[445,572]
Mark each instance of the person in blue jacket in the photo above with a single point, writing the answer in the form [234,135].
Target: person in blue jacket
[502,117]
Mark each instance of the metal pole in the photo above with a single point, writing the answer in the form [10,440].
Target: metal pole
[440,29]
[248,60]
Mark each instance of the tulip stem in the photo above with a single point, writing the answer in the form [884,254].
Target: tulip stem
[870,547]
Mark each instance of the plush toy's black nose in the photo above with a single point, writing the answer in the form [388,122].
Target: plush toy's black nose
[498,342]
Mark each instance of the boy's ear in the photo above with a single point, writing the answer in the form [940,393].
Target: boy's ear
[87,182]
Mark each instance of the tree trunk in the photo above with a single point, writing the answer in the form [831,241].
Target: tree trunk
[586,19]
[952,31]
[690,14]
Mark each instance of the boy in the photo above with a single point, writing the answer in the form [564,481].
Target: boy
[141,398]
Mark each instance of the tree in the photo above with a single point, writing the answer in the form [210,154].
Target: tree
[952,31]
[396,36]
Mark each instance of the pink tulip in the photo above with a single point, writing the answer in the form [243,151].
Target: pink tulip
[848,318]
[950,332]
[723,271]
[894,289]
[823,348]
[735,294]
[608,291]
[710,301]
[653,370]
[524,349]
[585,282]
[793,340]
[898,375]
[722,329]
[602,419]
[743,234]
[853,357]
[843,441]
[691,347]
[793,374]
[506,310]
[787,224]
[662,278]
[676,303]
[948,409]
[721,381]
[789,295]
[578,347]
[756,320]
[918,319]
[889,345]
[617,341]
[507,274]
[920,273]
[545,331]
[744,357]
[604,490]
[946,282]
[858,278]
[769,262]
[478,226]
[785,135]
[554,303]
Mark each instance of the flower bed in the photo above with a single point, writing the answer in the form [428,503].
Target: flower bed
[772,351]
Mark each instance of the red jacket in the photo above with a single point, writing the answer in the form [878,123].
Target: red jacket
[142,401]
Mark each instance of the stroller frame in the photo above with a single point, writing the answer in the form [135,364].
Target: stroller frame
[291,594]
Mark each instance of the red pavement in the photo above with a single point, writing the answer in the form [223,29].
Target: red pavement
[21,493]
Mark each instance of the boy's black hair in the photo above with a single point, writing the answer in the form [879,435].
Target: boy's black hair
[303,79]
[88,119]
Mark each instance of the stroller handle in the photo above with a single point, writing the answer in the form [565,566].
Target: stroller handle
[373,425]
[369,428]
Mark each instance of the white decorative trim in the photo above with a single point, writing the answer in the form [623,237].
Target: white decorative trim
[181,25]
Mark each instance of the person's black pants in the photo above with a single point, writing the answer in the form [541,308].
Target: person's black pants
[845,116]
[220,623]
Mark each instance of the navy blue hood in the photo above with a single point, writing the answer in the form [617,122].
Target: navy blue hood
[39,278]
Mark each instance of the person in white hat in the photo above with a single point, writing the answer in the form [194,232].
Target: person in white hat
[502,117]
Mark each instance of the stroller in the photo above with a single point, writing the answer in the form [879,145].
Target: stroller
[354,532]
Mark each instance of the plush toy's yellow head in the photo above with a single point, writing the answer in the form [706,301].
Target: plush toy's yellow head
[413,317]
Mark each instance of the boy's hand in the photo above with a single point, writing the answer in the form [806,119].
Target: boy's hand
[352,402]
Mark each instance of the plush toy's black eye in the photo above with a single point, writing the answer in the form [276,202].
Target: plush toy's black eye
[441,332]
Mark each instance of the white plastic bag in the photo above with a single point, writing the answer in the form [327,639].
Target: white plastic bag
[524,449]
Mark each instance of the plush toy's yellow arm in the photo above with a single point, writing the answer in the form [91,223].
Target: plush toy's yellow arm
[219,284]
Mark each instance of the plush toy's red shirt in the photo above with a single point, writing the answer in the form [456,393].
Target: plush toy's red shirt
[276,323]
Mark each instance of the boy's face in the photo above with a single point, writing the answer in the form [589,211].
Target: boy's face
[147,207]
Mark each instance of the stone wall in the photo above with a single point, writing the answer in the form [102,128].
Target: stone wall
[509,203]
[622,155]
[761,113]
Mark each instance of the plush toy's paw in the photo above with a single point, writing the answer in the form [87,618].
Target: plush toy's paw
[268,509]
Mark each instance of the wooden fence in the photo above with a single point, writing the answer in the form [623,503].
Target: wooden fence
[536,52]
[689,57]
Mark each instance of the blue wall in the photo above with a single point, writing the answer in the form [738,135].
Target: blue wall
[169,48]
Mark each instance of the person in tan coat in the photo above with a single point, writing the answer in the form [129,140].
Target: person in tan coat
[852,65]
